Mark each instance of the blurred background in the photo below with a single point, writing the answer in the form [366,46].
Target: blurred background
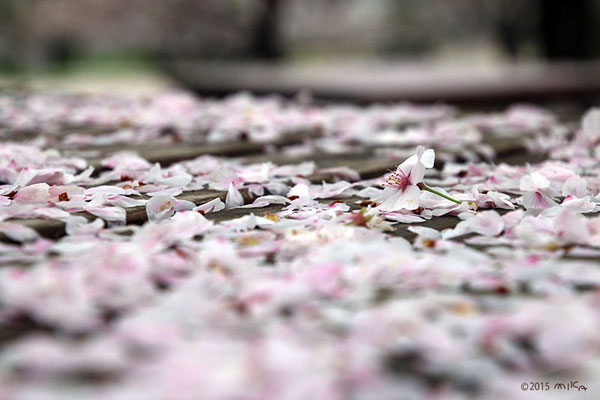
[348,49]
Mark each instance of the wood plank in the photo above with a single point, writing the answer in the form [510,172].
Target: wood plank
[368,82]
[167,154]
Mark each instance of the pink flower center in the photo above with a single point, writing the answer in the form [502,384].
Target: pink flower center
[398,180]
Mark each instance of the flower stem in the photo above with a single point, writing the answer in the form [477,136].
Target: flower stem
[423,186]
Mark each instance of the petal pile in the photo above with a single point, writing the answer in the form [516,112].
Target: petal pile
[246,278]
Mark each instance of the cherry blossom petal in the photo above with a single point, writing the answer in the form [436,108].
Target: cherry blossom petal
[300,190]
[108,213]
[159,208]
[487,223]
[214,205]
[51,212]
[37,193]
[575,186]
[234,197]
[537,201]
[18,232]
[125,202]
[76,225]
[590,125]
[534,182]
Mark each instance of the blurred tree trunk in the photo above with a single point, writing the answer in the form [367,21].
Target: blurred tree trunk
[565,28]
[266,37]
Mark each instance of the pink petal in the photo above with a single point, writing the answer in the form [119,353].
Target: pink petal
[537,201]
[37,193]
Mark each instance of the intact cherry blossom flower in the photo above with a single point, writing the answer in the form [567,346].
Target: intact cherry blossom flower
[401,190]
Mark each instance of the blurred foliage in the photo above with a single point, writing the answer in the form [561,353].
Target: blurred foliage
[42,34]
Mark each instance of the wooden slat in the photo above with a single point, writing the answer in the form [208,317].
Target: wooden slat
[167,154]
[397,81]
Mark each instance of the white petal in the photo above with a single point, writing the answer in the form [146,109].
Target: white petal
[77,225]
[18,232]
[51,212]
[389,204]
[487,223]
[407,164]
[575,186]
[234,197]
[184,205]
[428,158]
[160,207]
[416,173]
[409,199]
[300,190]
[212,206]
[591,124]
[173,191]
[537,201]
[534,181]
[108,213]
[428,233]
[125,202]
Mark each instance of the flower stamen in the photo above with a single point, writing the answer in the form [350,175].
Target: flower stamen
[397,180]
